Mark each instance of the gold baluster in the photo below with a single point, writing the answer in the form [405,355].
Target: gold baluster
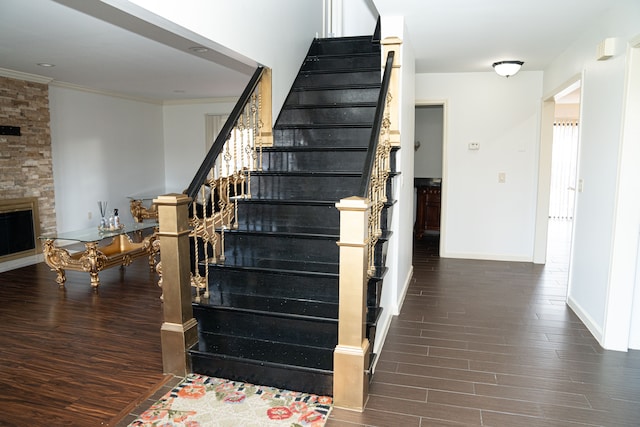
[260,126]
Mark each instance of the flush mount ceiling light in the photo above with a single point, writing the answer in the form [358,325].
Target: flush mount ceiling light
[507,68]
[44,64]
[198,49]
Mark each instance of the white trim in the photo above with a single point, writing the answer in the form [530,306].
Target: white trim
[19,75]
[382,332]
[223,99]
[21,262]
[488,257]
[547,117]
[105,92]
[591,325]
[444,184]
[192,101]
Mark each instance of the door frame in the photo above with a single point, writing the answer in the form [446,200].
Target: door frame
[544,167]
[444,185]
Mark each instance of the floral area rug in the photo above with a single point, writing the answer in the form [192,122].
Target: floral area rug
[201,401]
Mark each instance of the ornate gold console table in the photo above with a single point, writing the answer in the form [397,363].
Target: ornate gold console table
[122,250]
[139,211]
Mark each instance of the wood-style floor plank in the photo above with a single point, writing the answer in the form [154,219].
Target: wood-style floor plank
[75,356]
[494,344]
[477,343]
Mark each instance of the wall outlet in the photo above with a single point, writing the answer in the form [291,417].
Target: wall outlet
[502,177]
[474,146]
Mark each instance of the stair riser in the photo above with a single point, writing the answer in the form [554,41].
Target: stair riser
[315,80]
[278,304]
[307,161]
[374,292]
[324,115]
[349,137]
[295,187]
[267,327]
[293,286]
[272,217]
[337,63]
[268,284]
[269,351]
[335,96]
[243,245]
[254,216]
[342,46]
[285,377]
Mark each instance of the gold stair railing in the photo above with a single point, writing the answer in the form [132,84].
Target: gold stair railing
[360,232]
[225,176]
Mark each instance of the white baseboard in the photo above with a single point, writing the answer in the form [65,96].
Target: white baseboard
[385,321]
[591,325]
[21,262]
[487,257]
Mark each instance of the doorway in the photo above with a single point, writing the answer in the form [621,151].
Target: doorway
[428,174]
[564,170]
[562,105]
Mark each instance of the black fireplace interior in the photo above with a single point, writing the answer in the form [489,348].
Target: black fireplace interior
[16,232]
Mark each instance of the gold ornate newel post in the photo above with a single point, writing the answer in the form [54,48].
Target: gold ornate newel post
[179,329]
[394,44]
[351,356]
[265,131]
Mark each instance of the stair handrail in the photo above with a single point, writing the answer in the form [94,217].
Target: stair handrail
[378,120]
[203,171]
[225,176]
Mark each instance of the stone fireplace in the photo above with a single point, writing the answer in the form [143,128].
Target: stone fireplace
[26,168]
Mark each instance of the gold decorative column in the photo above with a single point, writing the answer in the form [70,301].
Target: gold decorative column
[393,44]
[351,356]
[179,329]
[265,113]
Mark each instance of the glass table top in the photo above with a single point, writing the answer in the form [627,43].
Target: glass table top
[147,195]
[94,234]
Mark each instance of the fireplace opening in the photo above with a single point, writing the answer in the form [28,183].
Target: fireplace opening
[19,228]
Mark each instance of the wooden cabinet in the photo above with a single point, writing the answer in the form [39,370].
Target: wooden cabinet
[427,209]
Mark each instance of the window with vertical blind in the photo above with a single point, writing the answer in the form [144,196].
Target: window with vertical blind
[564,169]
[213,125]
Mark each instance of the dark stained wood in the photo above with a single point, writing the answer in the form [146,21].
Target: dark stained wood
[477,343]
[494,344]
[75,356]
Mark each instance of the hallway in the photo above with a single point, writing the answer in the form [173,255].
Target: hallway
[493,343]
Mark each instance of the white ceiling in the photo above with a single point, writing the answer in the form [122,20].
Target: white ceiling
[469,35]
[447,36]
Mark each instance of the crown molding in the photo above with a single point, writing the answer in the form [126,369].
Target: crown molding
[224,99]
[105,92]
[19,75]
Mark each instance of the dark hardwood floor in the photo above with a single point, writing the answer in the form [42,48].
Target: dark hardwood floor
[493,344]
[72,356]
[477,343]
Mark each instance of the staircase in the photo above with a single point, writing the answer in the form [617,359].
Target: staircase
[272,313]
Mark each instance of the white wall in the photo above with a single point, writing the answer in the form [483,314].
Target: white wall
[429,127]
[400,246]
[275,33]
[359,17]
[184,140]
[595,287]
[486,219]
[103,148]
